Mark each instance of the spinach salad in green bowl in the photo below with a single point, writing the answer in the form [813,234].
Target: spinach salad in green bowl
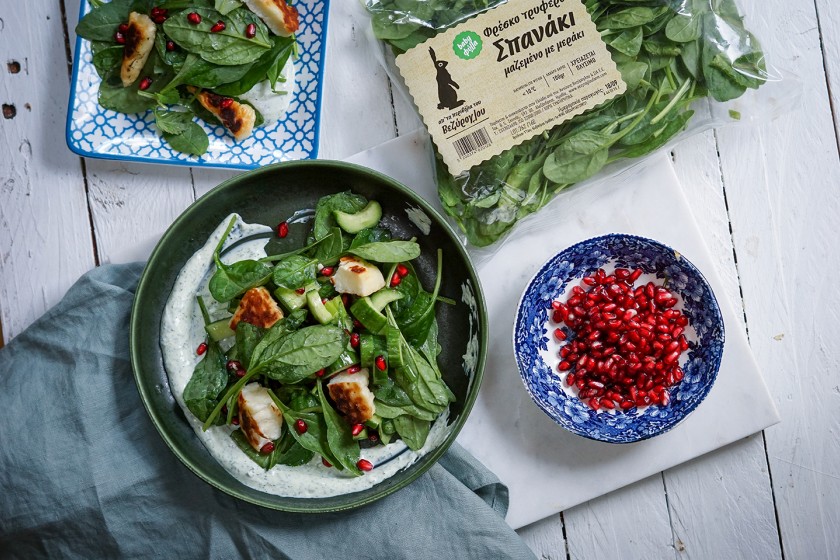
[324,360]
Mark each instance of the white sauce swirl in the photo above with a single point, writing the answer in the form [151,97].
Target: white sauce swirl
[182,330]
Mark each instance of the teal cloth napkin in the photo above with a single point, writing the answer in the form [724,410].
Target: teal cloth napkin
[83,473]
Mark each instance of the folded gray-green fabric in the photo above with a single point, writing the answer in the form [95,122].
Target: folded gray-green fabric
[83,473]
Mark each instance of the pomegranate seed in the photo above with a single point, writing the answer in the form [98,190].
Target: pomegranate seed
[320,373]
[300,291]
[170,46]
[356,324]
[380,363]
[672,358]
[354,369]
[564,366]
[364,465]
[119,37]
[594,403]
[144,84]
[570,379]
[282,230]
[159,19]
[122,28]
[202,348]
[251,30]
[300,426]
[327,271]
[240,372]
[326,463]
[355,338]
[395,280]
[234,421]
[218,26]
[607,403]
[373,438]
[194,18]
[155,11]
[267,448]
[559,334]
[357,429]
[233,365]
[226,103]
[402,270]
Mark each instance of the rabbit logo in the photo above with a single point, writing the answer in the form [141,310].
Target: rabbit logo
[447,88]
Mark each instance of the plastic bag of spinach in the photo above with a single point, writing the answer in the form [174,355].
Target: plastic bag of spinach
[671,54]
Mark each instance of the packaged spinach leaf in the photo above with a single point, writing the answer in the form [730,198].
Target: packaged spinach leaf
[684,65]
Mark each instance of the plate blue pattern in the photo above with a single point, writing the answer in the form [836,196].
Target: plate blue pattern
[532,346]
[93,131]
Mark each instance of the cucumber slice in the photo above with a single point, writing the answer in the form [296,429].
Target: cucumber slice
[344,361]
[219,330]
[373,422]
[369,316]
[383,297]
[290,299]
[371,346]
[367,217]
[394,347]
[336,307]
[361,435]
[321,314]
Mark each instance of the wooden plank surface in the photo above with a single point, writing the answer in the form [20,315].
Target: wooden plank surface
[45,232]
[764,196]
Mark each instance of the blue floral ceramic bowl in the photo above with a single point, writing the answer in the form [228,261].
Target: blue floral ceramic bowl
[536,351]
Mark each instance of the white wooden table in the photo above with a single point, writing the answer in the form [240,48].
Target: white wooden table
[767,198]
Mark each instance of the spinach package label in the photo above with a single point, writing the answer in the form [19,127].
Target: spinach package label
[525,98]
[507,75]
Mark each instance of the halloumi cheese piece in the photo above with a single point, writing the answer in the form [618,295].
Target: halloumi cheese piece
[238,118]
[351,395]
[260,420]
[281,18]
[357,276]
[258,308]
[139,42]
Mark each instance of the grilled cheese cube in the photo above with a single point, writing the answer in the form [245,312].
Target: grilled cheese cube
[238,118]
[351,395]
[260,420]
[258,308]
[139,42]
[281,18]
[357,276]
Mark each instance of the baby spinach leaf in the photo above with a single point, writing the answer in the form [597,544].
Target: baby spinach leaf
[247,338]
[579,157]
[232,280]
[343,202]
[224,7]
[229,47]
[389,411]
[106,57]
[330,247]
[192,141]
[370,235]
[101,23]
[294,456]
[196,71]
[299,354]
[315,437]
[172,122]
[278,330]
[630,17]
[684,28]
[295,272]
[413,431]
[281,49]
[123,99]
[339,438]
[387,251]
[209,379]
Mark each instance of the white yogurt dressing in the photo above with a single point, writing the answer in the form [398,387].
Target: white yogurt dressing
[182,330]
[272,106]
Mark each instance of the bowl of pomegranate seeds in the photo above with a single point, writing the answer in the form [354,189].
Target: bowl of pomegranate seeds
[618,338]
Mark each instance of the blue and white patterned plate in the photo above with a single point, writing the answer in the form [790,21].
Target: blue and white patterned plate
[536,352]
[93,131]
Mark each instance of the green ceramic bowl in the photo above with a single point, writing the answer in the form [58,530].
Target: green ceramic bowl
[267,196]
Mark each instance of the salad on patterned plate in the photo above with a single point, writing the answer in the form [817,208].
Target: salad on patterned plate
[323,351]
[227,61]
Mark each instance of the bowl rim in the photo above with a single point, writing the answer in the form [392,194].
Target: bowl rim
[715,370]
[424,463]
